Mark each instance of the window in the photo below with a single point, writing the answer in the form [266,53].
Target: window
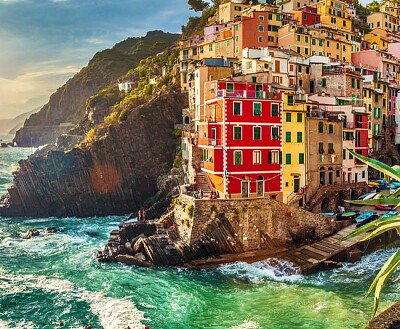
[327,43]
[330,148]
[229,87]
[363,174]
[321,43]
[274,157]
[210,48]
[324,82]
[260,39]
[344,154]
[257,133]
[237,38]
[288,136]
[212,89]
[254,79]
[377,113]
[353,83]
[288,158]
[313,42]
[298,37]
[298,50]
[330,129]
[275,133]
[320,127]
[260,28]
[274,110]
[237,133]
[358,84]
[290,100]
[237,155]
[301,158]
[261,18]
[256,109]
[288,117]
[299,137]
[299,69]
[299,117]
[237,108]
[278,17]
[256,157]
[270,16]
[321,148]
[306,39]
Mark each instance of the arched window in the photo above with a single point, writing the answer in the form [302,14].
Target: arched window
[186,120]
[322,176]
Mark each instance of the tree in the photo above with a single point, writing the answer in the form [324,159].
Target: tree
[197,5]
[374,6]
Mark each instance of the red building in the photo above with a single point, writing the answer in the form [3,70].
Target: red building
[361,130]
[307,16]
[394,89]
[240,136]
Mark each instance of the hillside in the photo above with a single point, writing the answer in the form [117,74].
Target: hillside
[67,105]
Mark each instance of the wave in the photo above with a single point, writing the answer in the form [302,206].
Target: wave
[112,313]
[247,325]
[271,268]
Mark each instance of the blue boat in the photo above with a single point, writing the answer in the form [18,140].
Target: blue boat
[364,216]
[328,213]
[367,220]
[389,214]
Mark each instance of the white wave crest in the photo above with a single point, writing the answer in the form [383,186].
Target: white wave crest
[113,313]
[247,325]
[271,268]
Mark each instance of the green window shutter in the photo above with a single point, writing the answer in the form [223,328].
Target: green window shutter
[237,133]
[321,43]
[299,137]
[275,110]
[288,158]
[288,117]
[298,37]
[323,82]
[236,27]
[330,129]
[288,137]
[353,83]
[229,87]
[313,42]
[320,127]
[269,157]
[238,158]
[290,100]
[299,117]
[237,108]
[280,157]
[257,109]
[256,133]
[301,158]
[275,133]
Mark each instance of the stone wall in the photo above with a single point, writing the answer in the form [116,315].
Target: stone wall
[259,223]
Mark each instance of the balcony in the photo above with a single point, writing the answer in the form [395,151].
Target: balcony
[204,141]
[249,94]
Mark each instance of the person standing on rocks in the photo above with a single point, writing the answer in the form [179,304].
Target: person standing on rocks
[140,215]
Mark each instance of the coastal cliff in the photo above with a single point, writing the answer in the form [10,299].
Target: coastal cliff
[67,106]
[113,174]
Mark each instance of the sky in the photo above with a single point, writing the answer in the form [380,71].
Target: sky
[45,42]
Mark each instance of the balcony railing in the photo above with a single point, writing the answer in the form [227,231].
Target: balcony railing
[249,94]
[210,142]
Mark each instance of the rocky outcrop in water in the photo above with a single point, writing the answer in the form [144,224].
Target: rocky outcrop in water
[66,107]
[115,174]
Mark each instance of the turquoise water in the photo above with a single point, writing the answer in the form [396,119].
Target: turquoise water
[53,278]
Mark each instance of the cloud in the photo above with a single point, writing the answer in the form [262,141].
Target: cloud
[44,42]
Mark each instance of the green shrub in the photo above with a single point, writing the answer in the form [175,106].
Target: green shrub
[111,118]
[123,116]
[190,210]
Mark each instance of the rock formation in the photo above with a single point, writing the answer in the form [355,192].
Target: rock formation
[115,174]
[67,105]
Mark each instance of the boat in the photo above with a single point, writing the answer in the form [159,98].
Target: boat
[364,216]
[385,206]
[389,214]
[367,220]
[328,213]
[395,184]
[347,215]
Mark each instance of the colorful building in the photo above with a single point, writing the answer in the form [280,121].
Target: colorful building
[241,139]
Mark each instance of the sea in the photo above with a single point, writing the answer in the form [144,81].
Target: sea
[55,280]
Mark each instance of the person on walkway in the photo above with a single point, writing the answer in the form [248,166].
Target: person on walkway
[144,215]
[201,193]
[140,215]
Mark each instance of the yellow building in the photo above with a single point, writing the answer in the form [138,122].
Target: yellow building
[380,41]
[294,148]
[383,21]
[390,7]
[334,13]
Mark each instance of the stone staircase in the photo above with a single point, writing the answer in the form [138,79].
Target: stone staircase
[202,183]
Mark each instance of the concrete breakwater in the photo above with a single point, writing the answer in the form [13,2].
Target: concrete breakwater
[204,233]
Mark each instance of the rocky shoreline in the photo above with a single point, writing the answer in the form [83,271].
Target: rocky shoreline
[216,232]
